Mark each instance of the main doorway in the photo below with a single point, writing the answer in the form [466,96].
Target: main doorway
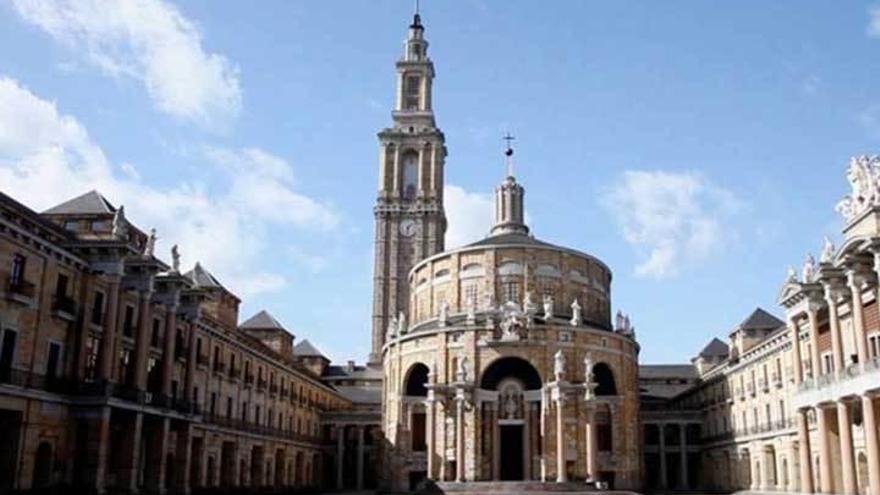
[511,462]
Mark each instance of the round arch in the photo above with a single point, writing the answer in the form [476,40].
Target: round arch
[604,378]
[510,367]
[415,381]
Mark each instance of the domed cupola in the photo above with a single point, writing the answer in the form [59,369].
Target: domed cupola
[509,209]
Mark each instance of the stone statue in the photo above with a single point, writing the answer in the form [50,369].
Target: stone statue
[512,321]
[548,307]
[488,303]
[827,255]
[471,317]
[576,317]
[175,259]
[588,377]
[791,275]
[401,323]
[150,245]
[863,175]
[559,365]
[462,370]
[529,307]
[809,271]
[618,320]
[392,329]
[444,313]
[120,228]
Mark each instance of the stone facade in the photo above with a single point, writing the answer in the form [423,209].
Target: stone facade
[118,372]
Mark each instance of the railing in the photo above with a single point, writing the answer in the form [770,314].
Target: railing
[219,367]
[249,379]
[777,380]
[64,304]
[273,389]
[234,373]
[751,388]
[20,287]
[258,429]
[261,384]
[202,359]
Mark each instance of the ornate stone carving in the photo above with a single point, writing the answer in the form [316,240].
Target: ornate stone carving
[576,317]
[471,317]
[391,332]
[791,275]
[462,370]
[175,259]
[150,245]
[529,307]
[120,224]
[559,365]
[827,255]
[401,324]
[444,314]
[809,271]
[589,385]
[548,307]
[863,175]
[513,321]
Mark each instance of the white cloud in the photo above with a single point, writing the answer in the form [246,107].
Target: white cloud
[469,215]
[47,157]
[673,218]
[148,40]
[874,22]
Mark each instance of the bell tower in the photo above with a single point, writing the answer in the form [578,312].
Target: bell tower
[410,222]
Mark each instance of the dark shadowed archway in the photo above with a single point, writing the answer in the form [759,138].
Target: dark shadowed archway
[510,367]
[604,378]
[416,379]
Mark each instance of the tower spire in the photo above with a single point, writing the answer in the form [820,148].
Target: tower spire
[509,209]
[508,154]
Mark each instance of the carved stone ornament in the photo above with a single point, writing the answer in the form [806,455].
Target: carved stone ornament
[175,259]
[559,365]
[809,271]
[401,324]
[827,255]
[120,224]
[392,329]
[863,175]
[463,369]
[444,313]
[471,317]
[576,317]
[150,245]
[548,307]
[513,321]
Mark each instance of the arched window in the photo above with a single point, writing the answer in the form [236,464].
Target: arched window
[604,378]
[416,380]
[410,175]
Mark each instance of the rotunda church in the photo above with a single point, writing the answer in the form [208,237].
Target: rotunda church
[499,358]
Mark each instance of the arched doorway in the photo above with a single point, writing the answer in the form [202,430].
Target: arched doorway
[414,388]
[43,465]
[511,423]
[604,378]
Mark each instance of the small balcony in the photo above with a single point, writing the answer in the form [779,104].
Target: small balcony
[20,291]
[248,379]
[202,360]
[855,380]
[261,384]
[273,389]
[64,307]
[219,367]
[234,373]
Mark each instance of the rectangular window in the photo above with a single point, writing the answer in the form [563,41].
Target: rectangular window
[511,292]
[92,350]
[418,432]
[827,363]
[7,353]
[124,368]
[61,285]
[213,408]
[156,336]
[16,274]
[53,360]
[128,322]
[98,308]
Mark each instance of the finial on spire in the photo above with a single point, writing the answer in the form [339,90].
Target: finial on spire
[417,18]
[508,153]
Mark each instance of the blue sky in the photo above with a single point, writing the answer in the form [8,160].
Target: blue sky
[697,148]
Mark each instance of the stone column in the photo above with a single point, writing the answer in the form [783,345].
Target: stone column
[815,362]
[97,443]
[872,444]
[360,457]
[169,350]
[798,367]
[847,458]
[430,430]
[826,479]
[561,472]
[831,298]
[858,317]
[592,446]
[183,459]
[128,475]
[459,439]
[664,481]
[142,343]
[683,456]
[340,452]
[793,474]
[108,339]
[396,179]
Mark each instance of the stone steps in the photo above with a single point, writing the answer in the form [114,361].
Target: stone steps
[515,487]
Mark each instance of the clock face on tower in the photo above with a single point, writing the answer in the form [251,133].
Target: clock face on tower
[408,227]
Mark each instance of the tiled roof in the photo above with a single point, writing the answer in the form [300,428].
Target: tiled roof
[202,277]
[761,320]
[680,371]
[262,320]
[306,349]
[715,348]
[89,203]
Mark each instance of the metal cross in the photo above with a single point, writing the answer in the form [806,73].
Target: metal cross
[507,137]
